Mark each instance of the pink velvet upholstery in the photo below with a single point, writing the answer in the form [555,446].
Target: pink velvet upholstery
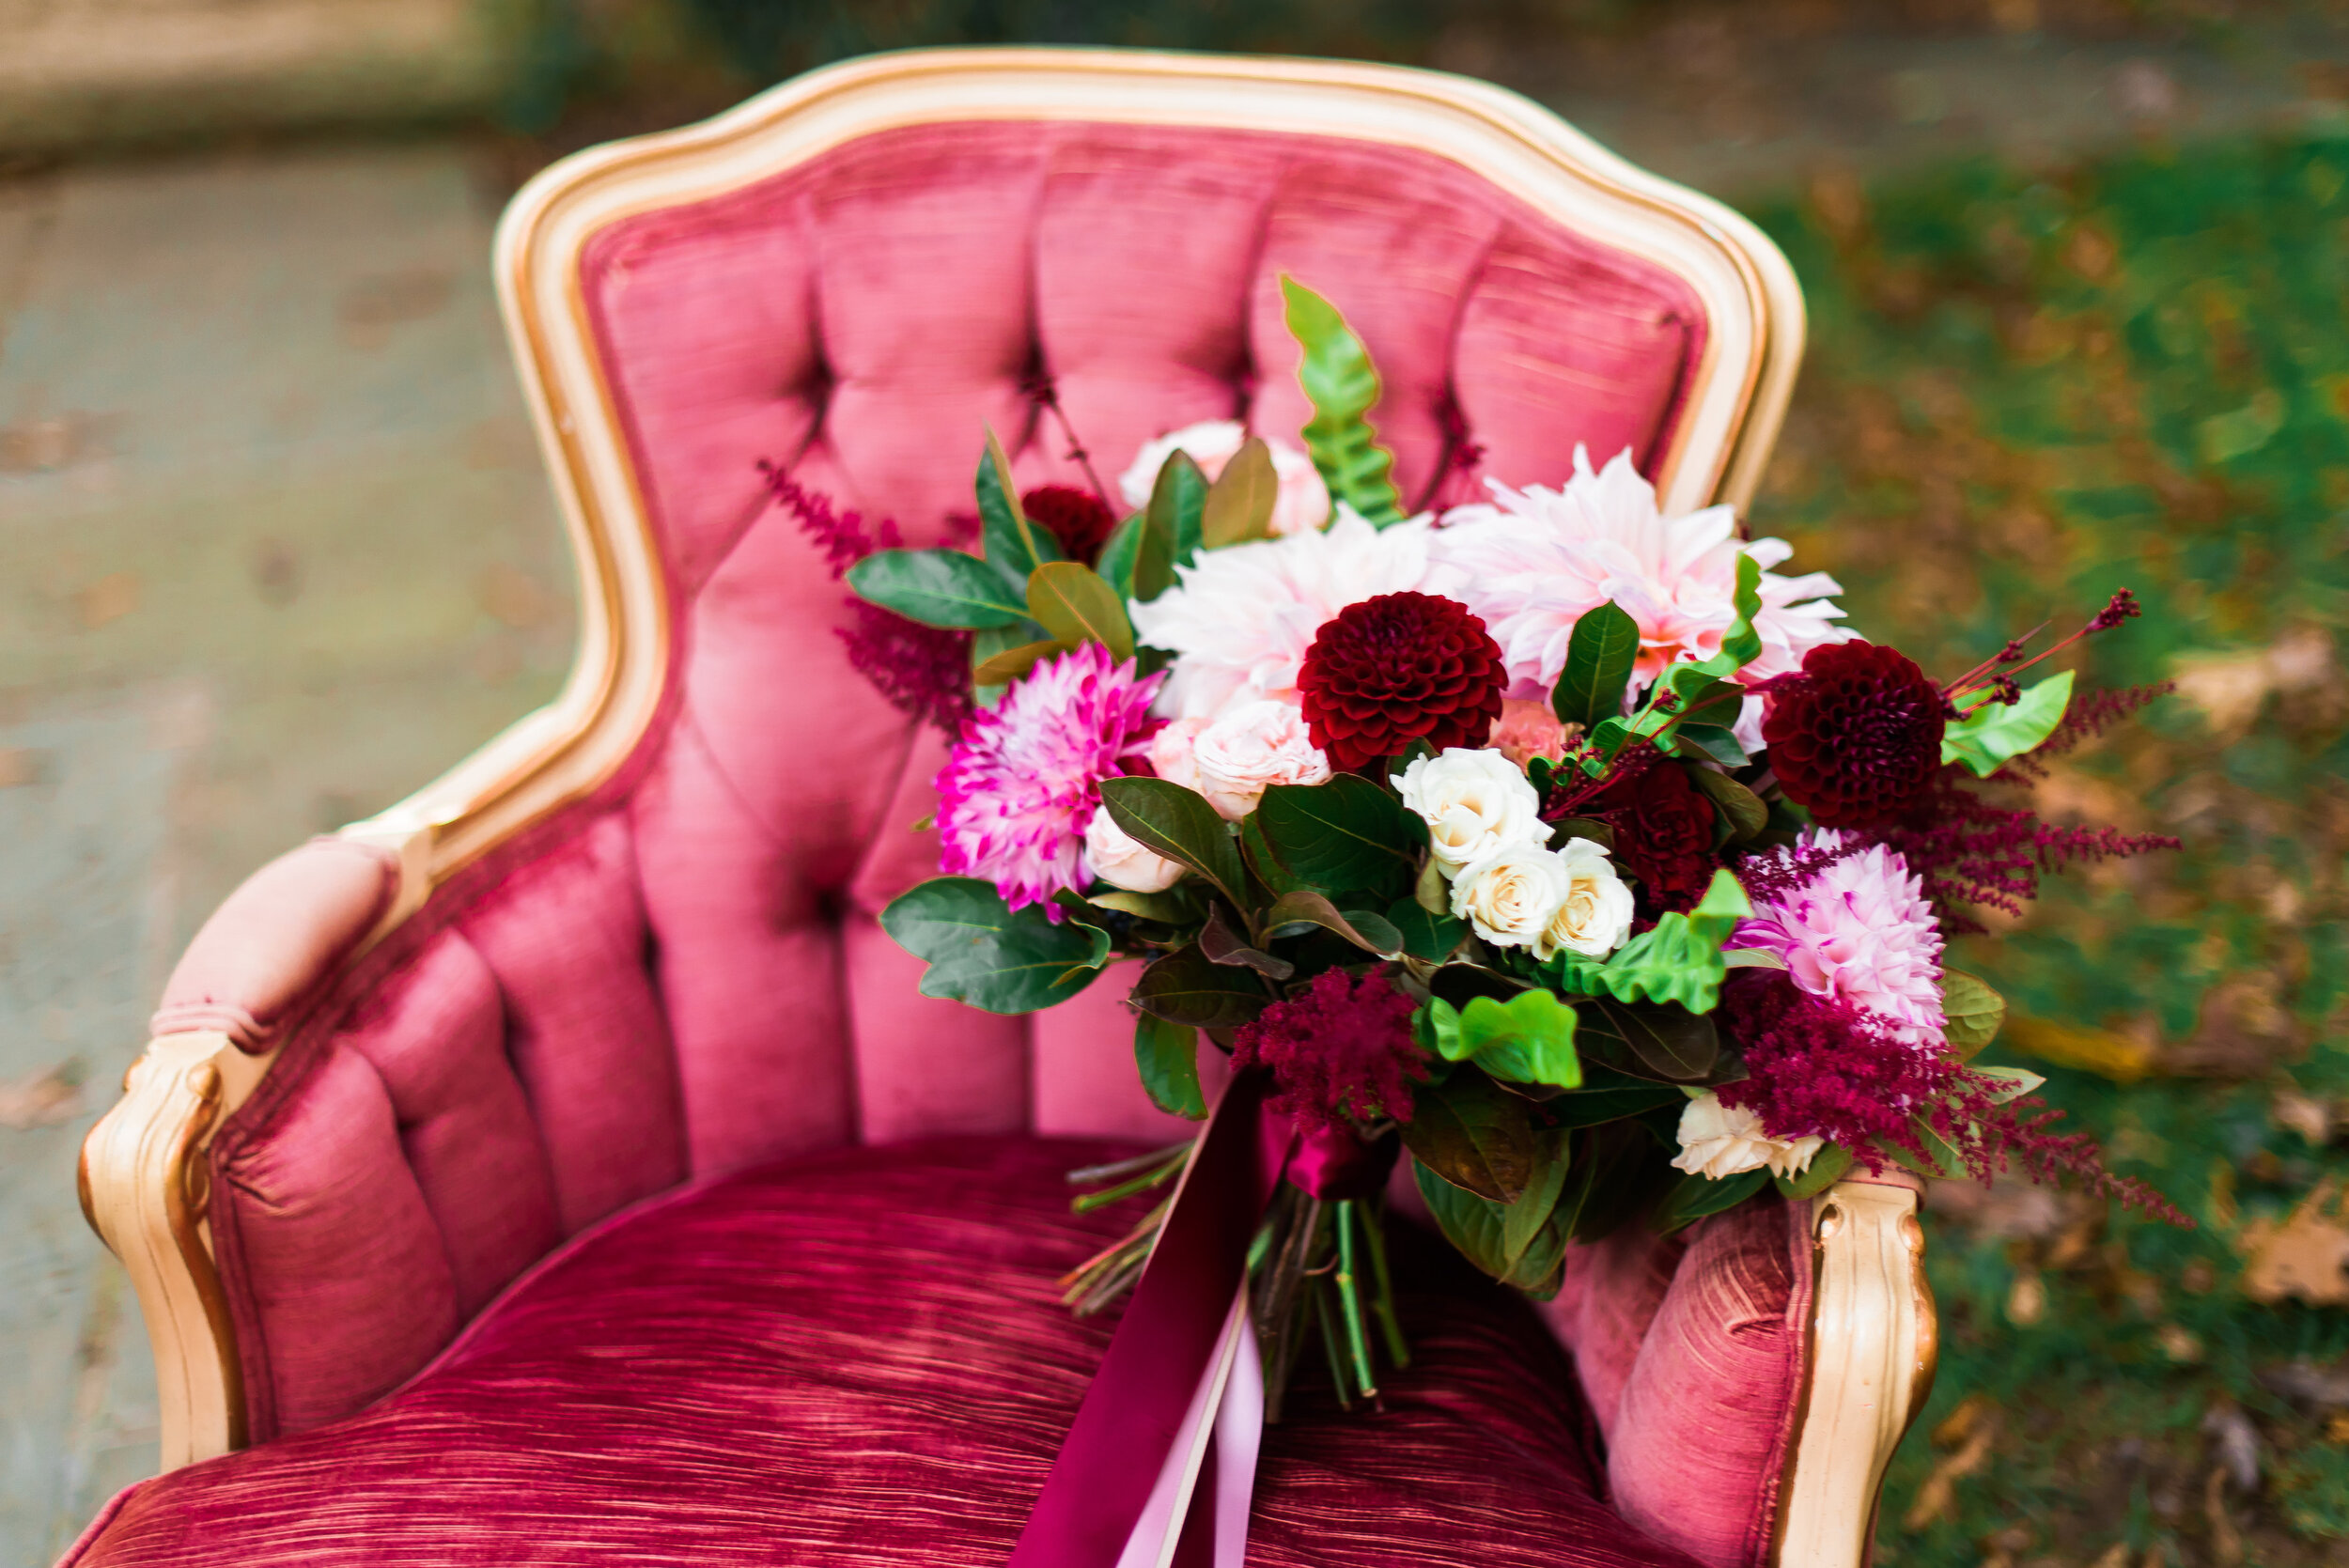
[857,1360]
[684,975]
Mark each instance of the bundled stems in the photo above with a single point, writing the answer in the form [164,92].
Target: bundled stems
[1382,1303]
[1351,1301]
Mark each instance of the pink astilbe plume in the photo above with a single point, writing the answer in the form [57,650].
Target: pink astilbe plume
[1340,1050]
[922,672]
[1025,778]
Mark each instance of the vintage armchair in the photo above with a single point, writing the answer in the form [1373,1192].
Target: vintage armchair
[561,1165]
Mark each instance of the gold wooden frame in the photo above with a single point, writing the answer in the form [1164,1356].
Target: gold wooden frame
[143,1164]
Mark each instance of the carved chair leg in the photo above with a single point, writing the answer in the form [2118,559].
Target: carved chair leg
[1873,1346]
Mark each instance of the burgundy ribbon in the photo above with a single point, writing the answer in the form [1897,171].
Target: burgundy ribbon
[1127,1428]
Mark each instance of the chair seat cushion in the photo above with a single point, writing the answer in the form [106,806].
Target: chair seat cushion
[858,1358]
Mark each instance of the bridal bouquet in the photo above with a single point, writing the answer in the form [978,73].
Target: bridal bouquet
[1568,844]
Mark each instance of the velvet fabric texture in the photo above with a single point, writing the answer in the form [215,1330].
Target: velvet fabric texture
[856,1358]
[682,975]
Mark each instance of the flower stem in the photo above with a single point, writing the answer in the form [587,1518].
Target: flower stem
[1143,1183]
[1329,1342]
[1382,1301]
[1351,1301]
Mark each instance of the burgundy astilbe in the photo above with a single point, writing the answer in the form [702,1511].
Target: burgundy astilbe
[1990,1138]
[922,672]
[1970,850]
[1816,1064]
[2090,713]
[1340,1050]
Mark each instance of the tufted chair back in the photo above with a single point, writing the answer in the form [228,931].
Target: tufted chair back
[666,961]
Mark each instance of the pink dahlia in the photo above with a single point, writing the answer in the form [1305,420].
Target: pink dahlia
[1538,560]
[1017,795]
[1855,929]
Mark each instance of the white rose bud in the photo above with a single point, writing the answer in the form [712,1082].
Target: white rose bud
[1251,748]
[1510,896]
[1718,1141]
[1594,918]
[1475,803]
[1170,752]
[1124,860]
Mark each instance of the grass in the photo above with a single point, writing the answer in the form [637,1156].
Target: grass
[2028,387]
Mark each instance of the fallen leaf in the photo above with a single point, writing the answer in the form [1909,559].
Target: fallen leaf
[41,1101]
[2027,1302]
[2305,1257]
[2308,1385]
[1939,1494]
[2226,1542]
[2312,1119]
[2102,1051]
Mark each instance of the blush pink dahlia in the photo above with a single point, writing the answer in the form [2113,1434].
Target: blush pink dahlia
[1017,795]
[1856,929]
[1538,560]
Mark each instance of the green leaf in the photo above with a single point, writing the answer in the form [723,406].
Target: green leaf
[1167,1055]
[1521,1222]
[1076,605]
[1336,374]
[1178,824]
[1295,912]
[1677,960]
[1670,1041]
[1599,655]
[1013,543]
[1009,665]
[1826,1168]
[1942,1157]
[1118,555]
[1347,833]
[1474,1135]
[1221,944]
[1527,1039]
[985,954]
[939,587]
[1170,536]
[1426,934]
[1985,739]
[1240,502]
[1716,741]
[1184,987]
[1264,861]
[1697,1196]
[1971,1012]
[2014,1082]
[1170,907]
[1607,1096]
[1480,1228]
[1689,684]
[1740,807]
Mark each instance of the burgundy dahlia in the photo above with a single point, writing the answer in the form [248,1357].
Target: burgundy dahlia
[1663,832]
[1340,1049]
[1078,519]
[1399,668]
[1857,735]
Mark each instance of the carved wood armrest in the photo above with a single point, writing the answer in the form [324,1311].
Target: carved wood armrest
[145,1190]
[1871,1349]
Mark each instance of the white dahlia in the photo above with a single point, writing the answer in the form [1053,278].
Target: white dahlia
[1238,620]
[1537,560]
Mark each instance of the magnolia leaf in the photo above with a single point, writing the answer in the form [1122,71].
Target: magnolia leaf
[2012,1082]
[1426,934]
[1335,372]
[1293,912]
[1167,1056]
[1826,1168]
[1716,741]
[1264,861]
[1527,1039]
[1014,542]
[1697,1196]
[1076,605]
[1119,556]
[1971,1012]
[939,587]
[1599,655]
[983,952]
[1672,1043]
[1178,824]
[1170,530]
[1472,1134]
[1341,835]
[1941,1160]
[1222,945]
[1240,502]
[1607,1096]
[1740,807]
[1524,1219]
[1184,987]
[1009,665]
[1167,908]
[1985,739]
[1600,834]
[1431,892]
[1480,1228]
